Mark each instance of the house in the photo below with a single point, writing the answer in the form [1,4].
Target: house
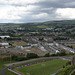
[49,43]
[4,45]
[24,47]
[33,43]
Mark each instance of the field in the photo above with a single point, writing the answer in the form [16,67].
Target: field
[73,46]
[46,68]
[20,44]
[42,26]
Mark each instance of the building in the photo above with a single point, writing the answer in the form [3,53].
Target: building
[4,45]
[24,47]
[4,37]
[32,43]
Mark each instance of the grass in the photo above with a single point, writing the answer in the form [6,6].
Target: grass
[29,62]
[73,46]
[42,26]
[13,26]
[7,72]
[2,66]
[70,55]
[45,68]
[20,44]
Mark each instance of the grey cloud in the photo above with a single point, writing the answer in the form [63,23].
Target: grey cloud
[43,6]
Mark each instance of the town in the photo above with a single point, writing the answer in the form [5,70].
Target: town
[20,42]
[41,40]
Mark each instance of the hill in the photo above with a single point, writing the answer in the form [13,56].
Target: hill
[47,24]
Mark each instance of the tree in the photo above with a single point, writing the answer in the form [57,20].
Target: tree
[73,61]
[31,55]
[46,55]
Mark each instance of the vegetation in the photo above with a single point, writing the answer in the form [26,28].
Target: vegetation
[10,39]
[31,55]
[42,26]
[46,68]
[47,55]
[67,70]
[59,54]
[7,72]
[2,66]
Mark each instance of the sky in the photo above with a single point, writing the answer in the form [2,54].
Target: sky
[22,11]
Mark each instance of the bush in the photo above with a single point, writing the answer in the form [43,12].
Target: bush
[68,63]
[59,54]
[14,57]
[63,66]
[46,55]
[21,58]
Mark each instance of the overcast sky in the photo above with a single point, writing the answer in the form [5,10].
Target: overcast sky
[14,11]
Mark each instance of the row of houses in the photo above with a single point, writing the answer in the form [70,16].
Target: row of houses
[31,44]
[64,47]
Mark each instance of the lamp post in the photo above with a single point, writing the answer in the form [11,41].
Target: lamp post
[10,58]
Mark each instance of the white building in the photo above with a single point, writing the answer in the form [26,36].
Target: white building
[4,37]
[24,47]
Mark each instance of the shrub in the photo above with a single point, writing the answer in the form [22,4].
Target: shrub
[46,55]
[31,55]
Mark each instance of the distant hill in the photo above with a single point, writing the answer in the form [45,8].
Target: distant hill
[60,23]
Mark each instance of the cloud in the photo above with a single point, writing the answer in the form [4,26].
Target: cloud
[19,2]
[41,15]
[66,13]
[36,10]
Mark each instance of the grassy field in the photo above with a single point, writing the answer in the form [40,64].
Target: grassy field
[42,26]
[46,68]
[20,44]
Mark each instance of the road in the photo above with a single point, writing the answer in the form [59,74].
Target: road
[2,72]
